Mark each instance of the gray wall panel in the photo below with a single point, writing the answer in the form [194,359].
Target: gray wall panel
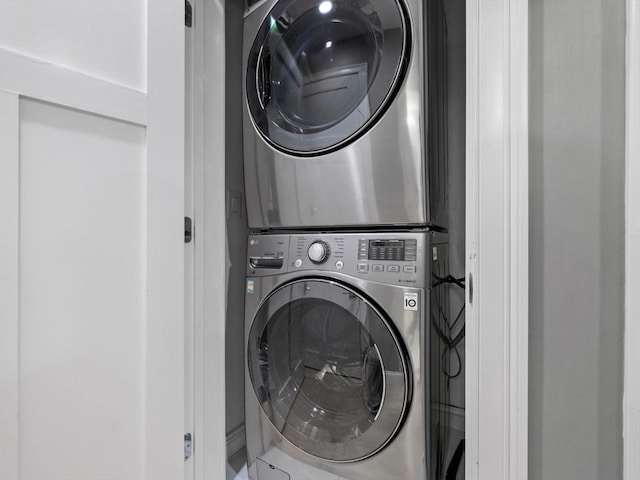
[456,149]
[576,239]
[236,221]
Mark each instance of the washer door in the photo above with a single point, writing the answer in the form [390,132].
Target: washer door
[328,370]
[320,72]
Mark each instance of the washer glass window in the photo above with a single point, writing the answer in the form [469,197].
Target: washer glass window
[328,370]
[321,71]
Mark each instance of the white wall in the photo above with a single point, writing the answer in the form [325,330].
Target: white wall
[577,50]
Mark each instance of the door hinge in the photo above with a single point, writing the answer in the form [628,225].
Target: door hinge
[188,14]
[188,446]
[188,230]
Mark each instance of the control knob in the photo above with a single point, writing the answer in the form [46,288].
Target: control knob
[318,251]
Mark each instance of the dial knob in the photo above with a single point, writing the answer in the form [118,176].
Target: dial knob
[318,251]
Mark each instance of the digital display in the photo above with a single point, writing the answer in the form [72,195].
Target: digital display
[387,243]
[390,250]
[386,250]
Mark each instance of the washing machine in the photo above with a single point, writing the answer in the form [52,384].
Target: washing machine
[337,98]
[337,367]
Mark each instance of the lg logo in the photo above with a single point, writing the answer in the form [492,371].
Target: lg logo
[410,301]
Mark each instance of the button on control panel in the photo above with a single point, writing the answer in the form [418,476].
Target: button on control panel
[363,249]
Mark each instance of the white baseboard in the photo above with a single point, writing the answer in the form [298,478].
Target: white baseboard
[236,440]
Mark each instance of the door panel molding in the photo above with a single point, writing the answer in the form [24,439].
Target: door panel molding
[35,78]
[631,402]
[497,240]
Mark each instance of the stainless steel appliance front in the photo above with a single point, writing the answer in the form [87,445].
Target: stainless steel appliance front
[336,328]
[334,115]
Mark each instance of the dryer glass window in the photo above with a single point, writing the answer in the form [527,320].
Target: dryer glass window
[328,370]
[321,71]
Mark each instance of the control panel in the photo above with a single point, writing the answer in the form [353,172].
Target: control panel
[397,258]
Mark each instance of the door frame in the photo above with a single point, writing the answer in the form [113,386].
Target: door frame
[209,238]
[631,402]
[497,243]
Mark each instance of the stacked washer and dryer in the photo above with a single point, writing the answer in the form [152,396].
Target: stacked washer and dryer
[347,210]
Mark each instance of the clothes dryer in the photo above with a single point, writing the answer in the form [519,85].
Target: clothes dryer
[335,122]
[337,373]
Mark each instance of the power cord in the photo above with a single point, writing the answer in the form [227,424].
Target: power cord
[450,342]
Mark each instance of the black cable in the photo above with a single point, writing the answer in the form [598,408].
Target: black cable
[455,322]
[458,338]
[449,279]
[450,375]
[456,460]
[446,339]
[450,343]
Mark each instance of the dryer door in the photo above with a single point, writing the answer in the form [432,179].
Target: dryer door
[321,71]
[328,370]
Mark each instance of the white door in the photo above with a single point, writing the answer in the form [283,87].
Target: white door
[91,239]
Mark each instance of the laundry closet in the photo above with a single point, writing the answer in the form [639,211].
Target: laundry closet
[117,313]
[345,196]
